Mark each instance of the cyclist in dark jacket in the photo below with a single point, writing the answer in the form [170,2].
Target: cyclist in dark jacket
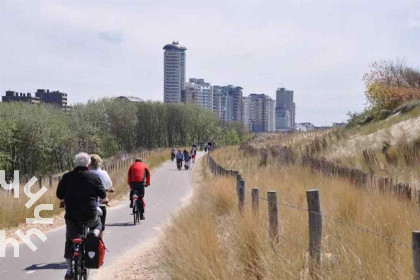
[79,191]
[179,158]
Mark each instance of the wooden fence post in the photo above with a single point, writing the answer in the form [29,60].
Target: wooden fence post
[273,219]
[416,254]
[50,180]
[255,200]
[315,230]
[40,182]
[241,195]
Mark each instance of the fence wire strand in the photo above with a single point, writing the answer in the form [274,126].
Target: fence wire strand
[359,227]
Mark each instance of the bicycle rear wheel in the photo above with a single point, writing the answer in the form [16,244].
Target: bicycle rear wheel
[138,210]
[135,211]
[85,274]
[77,269]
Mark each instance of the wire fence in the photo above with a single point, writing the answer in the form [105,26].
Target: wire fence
[315,217]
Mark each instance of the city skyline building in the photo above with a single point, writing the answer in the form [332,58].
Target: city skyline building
[261,113]
[285,110]
[173,72]
[204,92]
[56,98]
[190,93]
[13,96]
[231,103]
[41,96]
[218,100]
[245,112]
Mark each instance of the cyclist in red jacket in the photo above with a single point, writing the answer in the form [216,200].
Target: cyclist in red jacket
[138,179]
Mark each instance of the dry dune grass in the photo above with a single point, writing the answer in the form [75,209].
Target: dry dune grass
[13,211]
[211,240]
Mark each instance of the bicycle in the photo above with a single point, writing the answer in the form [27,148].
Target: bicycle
[137,208]
[78,262]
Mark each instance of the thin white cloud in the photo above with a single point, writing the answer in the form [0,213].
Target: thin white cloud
[115,37]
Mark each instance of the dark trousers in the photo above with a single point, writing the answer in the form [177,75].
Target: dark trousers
[137,188]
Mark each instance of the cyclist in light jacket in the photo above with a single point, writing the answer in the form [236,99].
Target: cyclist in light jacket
[95,167]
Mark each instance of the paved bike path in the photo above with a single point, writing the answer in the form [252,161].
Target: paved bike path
[169,188]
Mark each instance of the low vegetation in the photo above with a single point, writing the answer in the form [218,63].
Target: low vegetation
[391,87]
[366,234]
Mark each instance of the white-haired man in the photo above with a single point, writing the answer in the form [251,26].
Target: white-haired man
[80,189]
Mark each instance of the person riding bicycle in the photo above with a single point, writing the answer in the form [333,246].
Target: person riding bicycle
[187,158]
[137,175]
[193,153]
[95,167]
[179,158]
[79,190]
[173,153]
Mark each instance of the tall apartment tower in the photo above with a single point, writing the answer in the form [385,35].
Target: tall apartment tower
[285,110]
[174,72]
[231,104]
[218,101]
[204,92]
[261,113]
[227,103]
[246,100]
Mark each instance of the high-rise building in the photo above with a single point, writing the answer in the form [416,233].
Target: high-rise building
[217,101]
[261,113]
[227,103]
[282,120]
[190,93]
[174,72]
[56,98]
[285,110]
[245,112]
[204,92]
[272,118]
[231,103]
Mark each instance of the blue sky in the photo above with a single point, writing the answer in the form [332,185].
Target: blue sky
[319,49]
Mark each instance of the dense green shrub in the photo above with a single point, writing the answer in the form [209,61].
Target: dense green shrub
[43,139]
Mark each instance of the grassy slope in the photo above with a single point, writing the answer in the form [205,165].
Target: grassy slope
[400,132]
